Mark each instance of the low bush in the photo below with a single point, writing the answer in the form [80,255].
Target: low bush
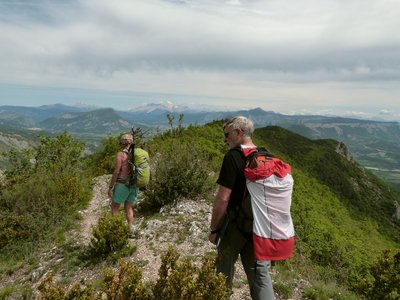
[41,193]
[49,291]
[327,291]
[180,171]
[110,234]
[183,280]
[178,280]
[125,284]
[284,290]
[382,279]
[16,291]
[28,216]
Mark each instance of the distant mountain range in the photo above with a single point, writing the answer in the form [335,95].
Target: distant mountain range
[98,121]
[374,144]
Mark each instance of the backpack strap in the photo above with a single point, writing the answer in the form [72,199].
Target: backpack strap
[244,211]
[131,154]
[244,216]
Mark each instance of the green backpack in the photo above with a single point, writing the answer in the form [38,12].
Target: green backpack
[140,168]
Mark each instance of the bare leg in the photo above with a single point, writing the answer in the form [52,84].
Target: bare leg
[128,212]
[114,208]
[129,218]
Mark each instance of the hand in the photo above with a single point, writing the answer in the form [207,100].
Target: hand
[213,238]
[110,192]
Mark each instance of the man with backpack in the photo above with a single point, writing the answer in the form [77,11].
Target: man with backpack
[120,189]
[228,231]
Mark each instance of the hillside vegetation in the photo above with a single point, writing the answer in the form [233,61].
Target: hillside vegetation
[341,212]
[14,138]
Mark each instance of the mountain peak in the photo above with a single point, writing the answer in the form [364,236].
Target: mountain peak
[53,106]
[162,107]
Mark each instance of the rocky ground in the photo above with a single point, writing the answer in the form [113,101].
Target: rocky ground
[185,226]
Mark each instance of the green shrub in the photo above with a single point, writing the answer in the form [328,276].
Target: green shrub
[21,165]
[110,234]
[49,291]
[29,216]
[209,285]
[183,280]
[16,291]
[126,284]
[180,171]
[13,227]
[284,290]
[324,291]
[44,186]
[382,280]
[178,280]
[208,139]
[58,154]
[103,161]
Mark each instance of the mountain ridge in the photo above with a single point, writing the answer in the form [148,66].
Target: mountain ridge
[375,144]
[104,121]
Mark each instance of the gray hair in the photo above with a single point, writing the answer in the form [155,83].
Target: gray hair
[240,122]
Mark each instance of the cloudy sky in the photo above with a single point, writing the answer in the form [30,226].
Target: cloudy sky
[301,56]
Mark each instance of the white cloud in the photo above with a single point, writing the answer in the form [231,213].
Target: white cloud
[300,52]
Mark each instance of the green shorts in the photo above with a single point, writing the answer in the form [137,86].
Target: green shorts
[124,193]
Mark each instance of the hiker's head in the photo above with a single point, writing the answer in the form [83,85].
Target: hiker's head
[126,139]
[237,130]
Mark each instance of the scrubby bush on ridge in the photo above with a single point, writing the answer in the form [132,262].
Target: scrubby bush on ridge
[44,187]
[109,235]
[177,280]
[382,279]
[181,171]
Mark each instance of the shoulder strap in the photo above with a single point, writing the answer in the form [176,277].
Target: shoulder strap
[127,152]
[260,151]
[264,151]
[132,152]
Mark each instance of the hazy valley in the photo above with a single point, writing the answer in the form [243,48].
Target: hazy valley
[373,144]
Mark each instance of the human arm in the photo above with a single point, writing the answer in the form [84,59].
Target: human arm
[117,168]
[219,208]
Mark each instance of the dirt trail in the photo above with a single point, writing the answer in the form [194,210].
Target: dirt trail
[99,202]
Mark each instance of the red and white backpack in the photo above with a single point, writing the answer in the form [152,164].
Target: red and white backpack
[270,185]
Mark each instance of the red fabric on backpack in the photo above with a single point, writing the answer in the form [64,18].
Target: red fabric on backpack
[264,166]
